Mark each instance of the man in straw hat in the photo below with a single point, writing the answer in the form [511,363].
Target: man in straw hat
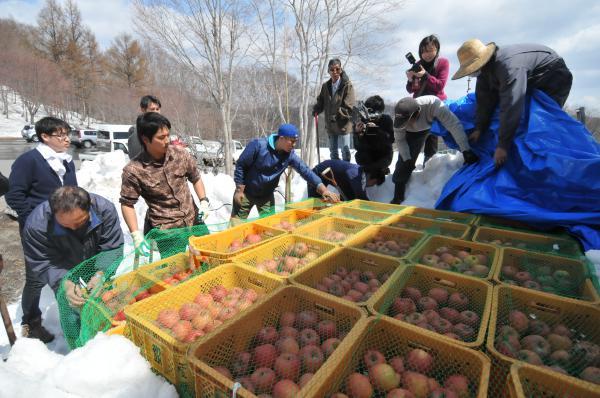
[504,76]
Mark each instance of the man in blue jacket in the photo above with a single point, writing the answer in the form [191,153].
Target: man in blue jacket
[60,233]
[349,178]
[34,176]
[259,167]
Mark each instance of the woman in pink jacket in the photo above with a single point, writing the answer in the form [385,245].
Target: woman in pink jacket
[430,80]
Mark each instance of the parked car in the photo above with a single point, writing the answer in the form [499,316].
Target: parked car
[91,155]
[211,152]
[28,133]
[109,138]
[83,138]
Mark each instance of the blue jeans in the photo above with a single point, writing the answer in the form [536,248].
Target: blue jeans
[335,141]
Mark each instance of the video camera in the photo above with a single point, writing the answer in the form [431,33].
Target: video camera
[361,113]
[413,61]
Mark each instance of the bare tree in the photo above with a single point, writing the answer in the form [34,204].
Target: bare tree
[127,62]
[51,34]
[205,35]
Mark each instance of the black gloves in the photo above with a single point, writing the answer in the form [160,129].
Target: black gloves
[470,157]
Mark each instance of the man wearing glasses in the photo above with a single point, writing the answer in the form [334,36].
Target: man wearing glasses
[34,176]
[337,99]
[259,167]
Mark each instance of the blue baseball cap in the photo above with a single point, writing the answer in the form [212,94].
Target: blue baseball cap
[287,130]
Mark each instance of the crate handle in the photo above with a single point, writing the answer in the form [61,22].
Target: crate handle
[256,282]
[444,282]
[325,308]
[414,344]
[544,307]
[368,262]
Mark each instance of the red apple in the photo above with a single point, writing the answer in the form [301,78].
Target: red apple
[267,335]
[285,389]
[558,342]
[450,314]
[591,374]
[537,344]
[287,366]
[306,319]
[309,337]
[287,318]
[439,294]
[530,357]
[562,330]
[326,329]
[442,393]
[441,325]
[384,377]
[509,271]
[419,360]
[304,379]
[263,379]
[416,318]
[539,327]
[287,344]
[372,358]
[416,383]
[397,363]
[246,382]
[470,318]
[403,306]
[458,301]
[264,355]
[358,386]
[518,320]
[464,331]
[412,293]
[241,363]
[182,329]
[399,393]
[288,331]
[430,315]
[459,384]
[312,358]
[203,300]
[427,303]
[168,318]
[330,345]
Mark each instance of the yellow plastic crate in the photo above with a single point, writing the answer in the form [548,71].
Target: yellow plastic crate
[332,229]
[309,204]
[394,339]
[217,245]
[534,242]
[371,217]
[434,242]
[531,382]
[219,349]
[478,292]
[577,316]
[171,271]
[540,265]
[295,219]
[167,354]
[349,259]
[442,215]
[431,227]
[279,248]
[374,206]
[367,236]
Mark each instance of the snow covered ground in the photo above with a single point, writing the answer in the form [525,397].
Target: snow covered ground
[111,366]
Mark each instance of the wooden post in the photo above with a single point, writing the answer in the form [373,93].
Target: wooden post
[4,311]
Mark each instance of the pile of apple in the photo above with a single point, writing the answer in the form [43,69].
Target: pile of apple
[116,298]
[391,247]
[177,275]
[208,311]
[286,225]
[354,285]
[280,361]
[250,239]
[541,278]
[438,310]
[334,236]
[450,259]
[295,257]
[506,243]
[402,377]
[558,347]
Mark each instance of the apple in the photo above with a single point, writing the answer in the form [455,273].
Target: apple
[443,266]
[450,314]
[263,379]
[464,331]
[430,259]
[397,363]
[585,353]
[539,327]
[287,366]
[288,331]
[442,393]
[471,260]
[285,389]
[339,395]
[451,335]
[182,329]
[403,306]
[287,318]
[533,285]
[304,379]
[359,386]
[218,292]
[168,317]
[509,271]
[372,358]
[355,295]
[419,360]
[458,301]
[529,357]
[505,347]
[558,342]
[591,374]
[241,363]
[330,345]
[399,393]
[306,319]
[480,271]
[427,303]
[246,382]
[224,371]
[459,384]
[560,358]
[384,377]
[312,358]
[416,318]
[264,355]
[482,258]
[412,293]
[287,344]
[537,344]
[441,250]
[522,276]
[341,271]
[470,318]
[439,295]
[442,325]
[430,315]
[308,337]
[507,331]
[562,330]
[416,383]
[518,320]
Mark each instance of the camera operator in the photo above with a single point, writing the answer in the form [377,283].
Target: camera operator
[428,76]
[373,136]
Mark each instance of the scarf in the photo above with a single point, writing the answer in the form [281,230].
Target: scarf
[55,159]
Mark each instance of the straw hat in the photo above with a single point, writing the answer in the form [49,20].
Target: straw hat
[472,55]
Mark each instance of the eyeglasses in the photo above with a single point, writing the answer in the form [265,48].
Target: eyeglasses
[60,136]
[335,69]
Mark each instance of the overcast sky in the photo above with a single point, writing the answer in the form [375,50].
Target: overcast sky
[571,27]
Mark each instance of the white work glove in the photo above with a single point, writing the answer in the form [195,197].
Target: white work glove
[204,208]
[74,294]
[141,245]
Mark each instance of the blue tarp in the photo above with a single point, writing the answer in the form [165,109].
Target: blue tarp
[551,177]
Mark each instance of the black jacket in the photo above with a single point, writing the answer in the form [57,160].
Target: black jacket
[52,250]
[374,150]
[3,185]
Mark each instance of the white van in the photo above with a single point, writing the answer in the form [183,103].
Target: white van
[110,138]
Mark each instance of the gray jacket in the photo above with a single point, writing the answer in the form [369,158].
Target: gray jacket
[505,80]
[52,250]
[432,108]
[134,146]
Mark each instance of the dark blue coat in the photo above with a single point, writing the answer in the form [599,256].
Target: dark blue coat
[260,166]
[349,177]
[52,250]
[32,181]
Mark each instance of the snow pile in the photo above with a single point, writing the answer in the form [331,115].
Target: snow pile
[108,366]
